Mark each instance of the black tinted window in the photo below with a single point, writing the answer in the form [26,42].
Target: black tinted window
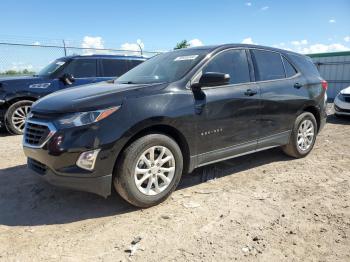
[133,63]
[305,64]
[81,68]
[232,62]
[114,67]
[290,70]
[269,65]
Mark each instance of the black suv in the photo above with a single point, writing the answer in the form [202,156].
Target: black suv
[18,93]
[173,113]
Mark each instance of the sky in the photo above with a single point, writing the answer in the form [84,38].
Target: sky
[157,25]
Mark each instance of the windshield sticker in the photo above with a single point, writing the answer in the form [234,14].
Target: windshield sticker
[60,63]
[187,57]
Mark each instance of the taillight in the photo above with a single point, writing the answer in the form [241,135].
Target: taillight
[324,84]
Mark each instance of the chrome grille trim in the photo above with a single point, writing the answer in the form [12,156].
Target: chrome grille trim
[50,126]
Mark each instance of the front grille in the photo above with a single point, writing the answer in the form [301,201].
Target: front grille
[37,166]
[44,117]
[347,98]
[36,134]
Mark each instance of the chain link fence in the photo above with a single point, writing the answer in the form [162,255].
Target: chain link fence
[29,58]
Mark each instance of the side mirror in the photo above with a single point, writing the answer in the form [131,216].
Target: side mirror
[212,79]
[67,79]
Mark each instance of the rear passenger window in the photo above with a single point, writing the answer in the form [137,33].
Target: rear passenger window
[269,65]
[114,67]
[290,70]
[133,63]
[232,62]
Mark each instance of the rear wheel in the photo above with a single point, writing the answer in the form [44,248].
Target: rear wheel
[150,170]
[16,115]
[303,136]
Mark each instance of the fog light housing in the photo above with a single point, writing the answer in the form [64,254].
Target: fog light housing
[87,159]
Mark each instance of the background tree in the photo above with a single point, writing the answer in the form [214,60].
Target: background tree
[12,72]
[182,44]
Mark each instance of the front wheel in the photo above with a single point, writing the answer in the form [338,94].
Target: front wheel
[16,115]
[150,170]
[303,136]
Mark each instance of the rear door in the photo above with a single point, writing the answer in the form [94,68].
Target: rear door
[228,124]
[114,68]
[279,83]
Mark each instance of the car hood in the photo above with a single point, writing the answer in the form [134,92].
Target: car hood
[22,82]
[346,91]
[91,97]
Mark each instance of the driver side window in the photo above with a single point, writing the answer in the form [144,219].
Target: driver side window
[82,68]
[232,62]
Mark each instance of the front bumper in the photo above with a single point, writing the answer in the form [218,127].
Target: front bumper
[56,160]
[2,117]
[97,185]
[341,107]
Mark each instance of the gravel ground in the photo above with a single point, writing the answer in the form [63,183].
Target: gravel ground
[261,207]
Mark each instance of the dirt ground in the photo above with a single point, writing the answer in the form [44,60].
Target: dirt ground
[261,207]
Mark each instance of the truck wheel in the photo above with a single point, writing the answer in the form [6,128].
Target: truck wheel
[16,115]
[303,136]
[150,170]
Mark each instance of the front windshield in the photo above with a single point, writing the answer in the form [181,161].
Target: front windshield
[167,67]
[51,68]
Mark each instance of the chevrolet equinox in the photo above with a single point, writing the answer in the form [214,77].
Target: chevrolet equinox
[173,113]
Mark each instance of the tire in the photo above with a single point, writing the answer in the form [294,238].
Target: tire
[293,149]
[15,116]
[126,179]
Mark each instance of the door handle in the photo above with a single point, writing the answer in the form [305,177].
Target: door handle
[250,92]
[297,85]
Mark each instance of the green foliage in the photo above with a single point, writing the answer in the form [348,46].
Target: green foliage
[182,44]
[12,72]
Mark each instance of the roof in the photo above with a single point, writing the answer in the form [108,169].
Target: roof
[224,46]
[343,53]
[107,56]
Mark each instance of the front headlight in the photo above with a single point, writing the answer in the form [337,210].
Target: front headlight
[85,118]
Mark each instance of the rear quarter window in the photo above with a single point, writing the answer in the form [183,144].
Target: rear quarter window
[305,64]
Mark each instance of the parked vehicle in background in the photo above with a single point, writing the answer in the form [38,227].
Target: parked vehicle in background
[173,113]
[17,94]
[342,103]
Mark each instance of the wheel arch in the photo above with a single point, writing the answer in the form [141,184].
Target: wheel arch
[316,112]
[165,129]
[20,98]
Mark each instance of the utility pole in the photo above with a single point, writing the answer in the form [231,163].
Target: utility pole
[138,42]
[64,48]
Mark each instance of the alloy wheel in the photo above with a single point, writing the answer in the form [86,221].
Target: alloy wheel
[154,170]
[306,133]
[19,116]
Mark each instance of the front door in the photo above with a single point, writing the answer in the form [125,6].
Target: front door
[84,71]
[228,121]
